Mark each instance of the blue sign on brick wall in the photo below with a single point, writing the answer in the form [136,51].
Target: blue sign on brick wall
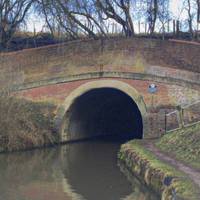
[152,88]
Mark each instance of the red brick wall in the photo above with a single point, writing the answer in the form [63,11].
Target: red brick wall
[59,92]
[171,53]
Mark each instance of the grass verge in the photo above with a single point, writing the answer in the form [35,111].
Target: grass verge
[162,178]
[183,144]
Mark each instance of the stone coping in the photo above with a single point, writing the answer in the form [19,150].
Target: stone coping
[193,80]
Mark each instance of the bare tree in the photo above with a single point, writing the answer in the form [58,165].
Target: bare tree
[190,7]
[190,17]
[198,11]
[118,10]
[12,14]
[76,17]
[163,15]
[46,11]
[152,14]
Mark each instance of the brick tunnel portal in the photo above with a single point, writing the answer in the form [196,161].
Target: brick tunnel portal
[103,111]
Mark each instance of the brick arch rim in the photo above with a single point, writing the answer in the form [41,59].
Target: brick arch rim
[97,84]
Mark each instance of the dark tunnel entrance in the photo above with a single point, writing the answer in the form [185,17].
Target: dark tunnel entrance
[104,111]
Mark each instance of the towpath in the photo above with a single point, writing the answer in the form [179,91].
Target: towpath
[192,173]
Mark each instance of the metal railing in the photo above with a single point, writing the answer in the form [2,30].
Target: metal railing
[191,113]
[184,116]
[172,121]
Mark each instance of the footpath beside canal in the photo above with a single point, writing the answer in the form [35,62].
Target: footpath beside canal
[161,167]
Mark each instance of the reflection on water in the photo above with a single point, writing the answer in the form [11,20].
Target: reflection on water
[85,170]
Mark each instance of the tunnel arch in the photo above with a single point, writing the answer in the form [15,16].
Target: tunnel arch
[61,121]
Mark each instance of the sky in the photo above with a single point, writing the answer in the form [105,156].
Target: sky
[36,23]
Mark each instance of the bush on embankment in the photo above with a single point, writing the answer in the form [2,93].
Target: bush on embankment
[25,124]
[183,144]
[157,175]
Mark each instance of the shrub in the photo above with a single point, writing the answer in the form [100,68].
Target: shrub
[25,124]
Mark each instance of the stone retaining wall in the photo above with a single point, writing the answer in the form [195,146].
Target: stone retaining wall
[160,177]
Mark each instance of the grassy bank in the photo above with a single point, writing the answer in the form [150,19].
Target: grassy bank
[25,124]
[183,144]
[162,178]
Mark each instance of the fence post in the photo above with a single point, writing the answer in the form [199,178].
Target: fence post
[139,27]
[181,117]
[177,28]
[165,121]
[174,28]
[145,28]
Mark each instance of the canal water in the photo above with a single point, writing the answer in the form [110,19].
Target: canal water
[86,170]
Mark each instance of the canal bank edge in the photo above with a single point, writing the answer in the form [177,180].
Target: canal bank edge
[162,178]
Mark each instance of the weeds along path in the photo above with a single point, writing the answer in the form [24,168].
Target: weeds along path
[192,173]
